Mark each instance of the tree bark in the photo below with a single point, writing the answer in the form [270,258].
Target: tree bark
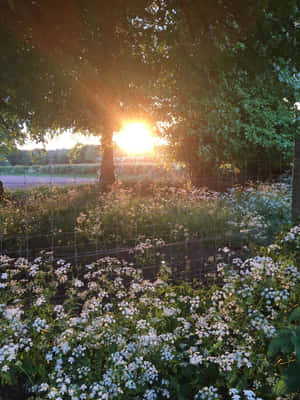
[107,171]
[1,191]
[296,183]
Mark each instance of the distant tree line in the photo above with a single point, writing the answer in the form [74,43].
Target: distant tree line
[88,154]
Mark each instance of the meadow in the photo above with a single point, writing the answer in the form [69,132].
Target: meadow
[101,329]
[53,217]
[89,170]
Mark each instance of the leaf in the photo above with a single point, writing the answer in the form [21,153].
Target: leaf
[281,343]
[291,378]
[280,387]
[295,339]
[189,371]
[295,315]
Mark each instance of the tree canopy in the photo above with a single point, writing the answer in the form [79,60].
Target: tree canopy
[210,71]
[70,65]
[220,88]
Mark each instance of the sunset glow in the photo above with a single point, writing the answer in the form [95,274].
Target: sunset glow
[135,138]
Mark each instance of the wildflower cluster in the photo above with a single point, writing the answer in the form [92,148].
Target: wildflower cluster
[170,214]
[290,241]
[127,217]
[104,332]
[258,210]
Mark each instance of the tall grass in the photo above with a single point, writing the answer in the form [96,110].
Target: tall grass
[139,215]
[37,218]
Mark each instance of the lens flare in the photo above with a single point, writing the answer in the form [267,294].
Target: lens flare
[135,138]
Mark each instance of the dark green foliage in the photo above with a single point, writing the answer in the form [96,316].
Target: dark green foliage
[296,181]
[221,88]
[286,346]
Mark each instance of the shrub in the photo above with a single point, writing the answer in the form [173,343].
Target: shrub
[261,210]
[103,332]
[286,345]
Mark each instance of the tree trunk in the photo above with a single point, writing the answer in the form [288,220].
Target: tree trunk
[204,175]
[296,183]
[1,191]
[107,172]
[199,177]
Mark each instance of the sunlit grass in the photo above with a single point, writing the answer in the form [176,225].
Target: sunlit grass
[132,213]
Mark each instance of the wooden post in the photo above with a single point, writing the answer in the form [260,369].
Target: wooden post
[296,183]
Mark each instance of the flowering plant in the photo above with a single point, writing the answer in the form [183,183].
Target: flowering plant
[104,332]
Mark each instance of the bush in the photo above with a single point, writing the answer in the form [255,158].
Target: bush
[103,332]
[259,209]
[286,345]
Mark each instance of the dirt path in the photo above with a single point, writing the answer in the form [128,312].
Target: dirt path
[25,182]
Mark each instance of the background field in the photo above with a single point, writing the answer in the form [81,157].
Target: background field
[87,170]
[77,222]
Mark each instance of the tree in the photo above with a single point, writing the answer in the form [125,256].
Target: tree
[291,78]
[73,66]
[19,157]
[243,121]
[296,183]
[220,89]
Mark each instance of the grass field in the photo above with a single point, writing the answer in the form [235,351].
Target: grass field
[124,168]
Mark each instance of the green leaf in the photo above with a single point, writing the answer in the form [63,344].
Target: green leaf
[295,339]
[280,387]
[295,315]
[291,378]
[281,343]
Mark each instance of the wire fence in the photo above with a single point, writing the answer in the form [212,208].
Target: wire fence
[29,225]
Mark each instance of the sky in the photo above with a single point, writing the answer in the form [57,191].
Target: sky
[64,140]
[134,138]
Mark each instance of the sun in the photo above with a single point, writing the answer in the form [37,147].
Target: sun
[135,138]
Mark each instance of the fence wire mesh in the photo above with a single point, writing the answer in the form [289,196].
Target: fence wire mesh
[148,225]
